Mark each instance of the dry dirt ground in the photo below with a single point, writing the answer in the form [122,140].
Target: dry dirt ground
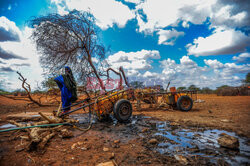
[129,143]
[221,112]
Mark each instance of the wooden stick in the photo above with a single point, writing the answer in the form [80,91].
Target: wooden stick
[17,124]
[34,135]
[45,140]
[59,109]
[47,118]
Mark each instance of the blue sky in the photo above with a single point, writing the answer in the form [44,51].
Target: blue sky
[199,42]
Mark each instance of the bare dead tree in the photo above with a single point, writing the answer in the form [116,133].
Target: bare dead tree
[27,88]
[70,40]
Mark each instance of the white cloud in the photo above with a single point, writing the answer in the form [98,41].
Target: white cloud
[168,37]
[28,65]
[9,7]
[215,64]
[183,74]
[196,11]
[187,62]
[185,24]
[231,68]
[169,68]
[94,60]
[244,57]
[8,30]
[106,12]
[134,1]
[228,75]
[133,73]
[225,16]
[219,43]
[160,13]
[230,14]
[154,15]
[149,74]
[4,82]
[189,72]
[133,61]
[163,13]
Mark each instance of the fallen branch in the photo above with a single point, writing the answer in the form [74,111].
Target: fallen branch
[34,135]
[38,137]
[47,118]
[45,140]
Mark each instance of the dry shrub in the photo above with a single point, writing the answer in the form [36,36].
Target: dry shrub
[23,94]
[244,91]
[233,91]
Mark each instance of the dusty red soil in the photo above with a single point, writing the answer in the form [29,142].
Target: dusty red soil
[88,148]
[222,112]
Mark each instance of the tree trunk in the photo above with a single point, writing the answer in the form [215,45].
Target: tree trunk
[95,71]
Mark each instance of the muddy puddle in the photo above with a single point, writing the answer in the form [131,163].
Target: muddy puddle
[172,139]
[7,126]
[175,140]
[110,127]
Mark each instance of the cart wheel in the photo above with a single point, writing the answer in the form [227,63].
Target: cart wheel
[184,103]
[122,110]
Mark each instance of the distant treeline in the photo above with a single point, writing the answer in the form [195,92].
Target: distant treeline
[20,92]
[224,90]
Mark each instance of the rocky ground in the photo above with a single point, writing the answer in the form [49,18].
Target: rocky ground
[152,136]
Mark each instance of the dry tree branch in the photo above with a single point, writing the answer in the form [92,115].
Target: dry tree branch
[117,73]
[27,88]
[70,39]
[124,76]
[120,73]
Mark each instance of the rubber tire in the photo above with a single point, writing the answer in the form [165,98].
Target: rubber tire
[117,110]
[179,103]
